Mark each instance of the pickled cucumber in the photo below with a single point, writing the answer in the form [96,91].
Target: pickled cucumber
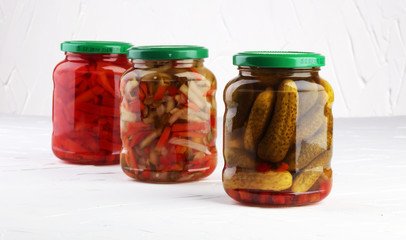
[258,118]
[238,97]
[248,179]
[308,94]
[239,158]
[275,144]
[313,119]
[309,149]
[328,110]
[309,175]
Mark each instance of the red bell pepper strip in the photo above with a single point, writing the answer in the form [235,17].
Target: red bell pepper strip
[172,90]
[138,137]
[164,137]
[282,167]
[159,94]
[144,88]
[104,82]
[193,126]
[89,94]
[98,110]
[189,134]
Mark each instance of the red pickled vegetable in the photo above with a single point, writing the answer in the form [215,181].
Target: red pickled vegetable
[144,88]
[164,137]
[138,137]
[160,93]
[189,134]
[193,126]
[172,90]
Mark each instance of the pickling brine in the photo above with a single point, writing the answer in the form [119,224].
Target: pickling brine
[278,129]
[86,124]
[168,115]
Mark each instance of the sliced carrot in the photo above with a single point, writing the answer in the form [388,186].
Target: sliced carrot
[159,94]
[89,94]
[193,126]
[164,137]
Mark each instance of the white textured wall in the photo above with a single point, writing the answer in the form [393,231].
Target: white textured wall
[364,42]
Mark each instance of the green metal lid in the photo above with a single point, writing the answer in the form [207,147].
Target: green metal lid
[167,52]
[95,47]
[278,59]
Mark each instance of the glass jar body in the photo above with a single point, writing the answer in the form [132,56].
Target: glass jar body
[86,100]
[278,129]
[168,120]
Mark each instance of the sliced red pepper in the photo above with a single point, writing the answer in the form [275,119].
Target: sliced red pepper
[193,126]
[172,90]
[159,94]
[282,167]
[189,134]
[98,110]
[141,94]
[144,88]
[138,137]
[263,167]
[105,82]
[164,137]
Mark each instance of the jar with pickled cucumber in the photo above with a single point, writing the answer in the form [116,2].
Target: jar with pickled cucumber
[168,114]
[278,129]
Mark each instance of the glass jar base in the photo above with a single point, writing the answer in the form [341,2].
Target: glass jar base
[88,159]
[279,199]
[168,176]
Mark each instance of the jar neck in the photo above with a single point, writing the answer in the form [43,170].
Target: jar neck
[288,72]
[178,63]
[83,57]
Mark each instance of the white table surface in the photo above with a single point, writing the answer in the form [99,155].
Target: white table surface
[43,198]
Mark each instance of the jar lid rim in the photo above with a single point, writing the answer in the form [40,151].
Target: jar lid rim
[167,52]
[82,46]
[279,59]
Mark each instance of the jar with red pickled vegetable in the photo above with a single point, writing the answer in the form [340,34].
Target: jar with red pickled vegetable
[168,115]
[278,129]
[86,101]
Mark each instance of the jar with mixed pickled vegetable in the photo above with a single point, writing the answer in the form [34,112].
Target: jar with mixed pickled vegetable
[278,129]
[168,115]
[86,101]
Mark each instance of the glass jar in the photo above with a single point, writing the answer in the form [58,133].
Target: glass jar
[168,115]
[278,129]
[85,114]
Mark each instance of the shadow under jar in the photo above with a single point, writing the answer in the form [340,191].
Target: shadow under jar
[86,101]
[168,115]
[278,129]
